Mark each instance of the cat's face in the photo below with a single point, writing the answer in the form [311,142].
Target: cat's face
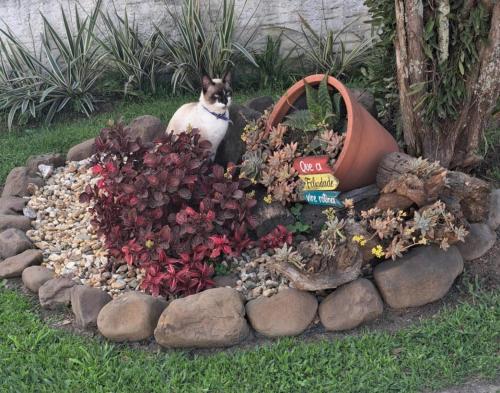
[217,92]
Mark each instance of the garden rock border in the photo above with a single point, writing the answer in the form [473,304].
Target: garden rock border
[217,317]
[423,275]
[212,318]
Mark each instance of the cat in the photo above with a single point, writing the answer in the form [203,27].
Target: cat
[210,115]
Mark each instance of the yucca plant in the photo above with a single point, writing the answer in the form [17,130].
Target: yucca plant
[135,59]
[325,51]
[20,85]
[203,45]
[273,67]
[63,73]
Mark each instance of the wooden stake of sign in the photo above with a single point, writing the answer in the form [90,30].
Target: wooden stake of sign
[318,181]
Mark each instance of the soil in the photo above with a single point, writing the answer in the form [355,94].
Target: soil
[484,271]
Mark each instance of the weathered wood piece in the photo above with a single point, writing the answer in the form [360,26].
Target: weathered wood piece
[321,272]
[465,195]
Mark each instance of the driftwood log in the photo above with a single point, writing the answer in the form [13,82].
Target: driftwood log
[465,195]
[325,273]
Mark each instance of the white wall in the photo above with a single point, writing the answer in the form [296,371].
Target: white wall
[23,16]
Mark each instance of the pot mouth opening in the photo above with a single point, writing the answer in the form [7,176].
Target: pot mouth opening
[295,98]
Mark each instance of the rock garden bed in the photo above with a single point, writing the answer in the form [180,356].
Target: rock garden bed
[338,271]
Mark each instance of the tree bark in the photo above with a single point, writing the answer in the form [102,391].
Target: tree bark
[452,142]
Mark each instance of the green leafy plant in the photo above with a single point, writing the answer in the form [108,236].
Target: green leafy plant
[204,45]
[321,111]
[298,226]
[135,59]
[325,51]
[63,73]
[273,67]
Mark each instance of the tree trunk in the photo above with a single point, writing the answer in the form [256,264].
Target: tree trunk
[452,142]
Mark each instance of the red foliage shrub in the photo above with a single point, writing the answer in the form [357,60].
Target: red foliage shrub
[167,208]
[276,238]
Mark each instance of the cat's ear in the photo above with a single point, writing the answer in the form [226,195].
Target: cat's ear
[226,79]
[206,82]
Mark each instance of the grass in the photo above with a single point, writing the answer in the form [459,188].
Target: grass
[16,147]
[460,342]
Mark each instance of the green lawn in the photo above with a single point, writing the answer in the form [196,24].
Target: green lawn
[16,147]
[458,343]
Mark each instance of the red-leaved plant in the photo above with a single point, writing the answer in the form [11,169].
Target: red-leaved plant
[276,238]
[166,208]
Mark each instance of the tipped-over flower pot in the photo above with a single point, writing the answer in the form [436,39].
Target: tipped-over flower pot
[366,140]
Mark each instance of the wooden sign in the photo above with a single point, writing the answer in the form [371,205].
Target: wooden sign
[312,165]
[326,198]
[318,181]
[322,182]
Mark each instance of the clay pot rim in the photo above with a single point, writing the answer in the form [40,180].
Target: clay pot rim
[295,91]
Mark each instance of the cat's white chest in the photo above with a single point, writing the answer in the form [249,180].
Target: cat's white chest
[211,127]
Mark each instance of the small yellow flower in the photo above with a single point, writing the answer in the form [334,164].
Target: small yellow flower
[348,203]
[228,174]
[150,244]
[360,239]
[268,199]
[423,241]
[253,181]
[251,194]
[378,251]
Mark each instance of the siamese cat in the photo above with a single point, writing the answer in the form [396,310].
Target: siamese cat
[210,114]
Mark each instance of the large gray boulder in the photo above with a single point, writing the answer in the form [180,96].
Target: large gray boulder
[212,318]
[35,276]
[86,303]
[12,205]
[130,317]
[14,221]
[56,293]
[82,151]
[422,276]
[288,313]
[260,104]
[478,242]
[18,181]
[232,147]
[269,215]
[494,214]
[147,127]
[14,266]
[12,242]
[351,305]
[54,160]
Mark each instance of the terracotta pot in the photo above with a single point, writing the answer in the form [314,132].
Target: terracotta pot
[366,140]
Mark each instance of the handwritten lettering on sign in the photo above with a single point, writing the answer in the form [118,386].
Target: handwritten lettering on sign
[312,165]
[323,198]
[322,182]
[318,181]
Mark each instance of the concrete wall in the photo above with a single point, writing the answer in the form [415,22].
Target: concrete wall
[23,16]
